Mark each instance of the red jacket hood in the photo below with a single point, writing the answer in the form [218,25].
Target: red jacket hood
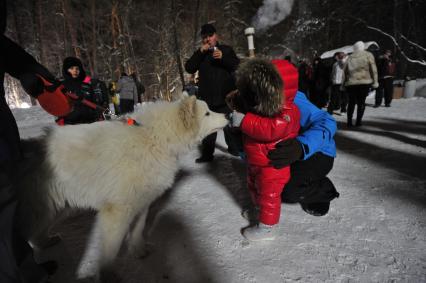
[290,76]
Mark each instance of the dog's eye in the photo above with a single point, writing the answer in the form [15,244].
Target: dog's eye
[207,113]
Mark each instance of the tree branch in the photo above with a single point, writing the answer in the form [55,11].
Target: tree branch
[413,43]
[420,62]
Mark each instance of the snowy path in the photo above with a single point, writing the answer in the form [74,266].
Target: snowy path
[375,232]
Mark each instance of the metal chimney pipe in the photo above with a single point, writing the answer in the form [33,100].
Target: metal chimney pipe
[249,32]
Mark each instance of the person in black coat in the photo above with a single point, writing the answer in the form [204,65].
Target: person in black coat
[17,262]
[386,73]
[215,63]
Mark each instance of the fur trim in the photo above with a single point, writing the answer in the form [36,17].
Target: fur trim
[359,46]
[261,87]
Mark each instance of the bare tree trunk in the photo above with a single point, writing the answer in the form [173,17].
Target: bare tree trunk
[94,39]
[115,32]
[71,27]
[38,24]
[16,25]
[86,47]
[196,16]
[175,15]
[64,33]
[125,44]
[60,45]
[38,20]
[131,51]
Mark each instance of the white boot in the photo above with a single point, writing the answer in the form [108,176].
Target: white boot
[260,232]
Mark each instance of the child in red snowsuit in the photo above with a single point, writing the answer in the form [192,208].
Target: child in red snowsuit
[266,91]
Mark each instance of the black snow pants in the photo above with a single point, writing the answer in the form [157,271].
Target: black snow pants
[308,182]
[357,95]
[385,89]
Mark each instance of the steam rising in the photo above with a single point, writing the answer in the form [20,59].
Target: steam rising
[271,13]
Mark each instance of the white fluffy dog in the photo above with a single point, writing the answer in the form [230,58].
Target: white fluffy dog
[116,169]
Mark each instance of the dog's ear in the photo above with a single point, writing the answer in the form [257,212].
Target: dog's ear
[187,111]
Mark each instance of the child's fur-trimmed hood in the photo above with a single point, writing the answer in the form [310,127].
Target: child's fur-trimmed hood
[261,87]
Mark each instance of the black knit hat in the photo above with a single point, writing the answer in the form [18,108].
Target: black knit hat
[70,62]
[207,29]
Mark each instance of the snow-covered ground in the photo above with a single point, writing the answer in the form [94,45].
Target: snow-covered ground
[375,231]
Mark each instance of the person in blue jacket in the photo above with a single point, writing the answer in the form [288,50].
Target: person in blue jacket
[311,156]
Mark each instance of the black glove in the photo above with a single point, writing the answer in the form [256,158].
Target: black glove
[285,153]
[51,88]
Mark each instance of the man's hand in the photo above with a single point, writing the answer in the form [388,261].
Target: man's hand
[217,54]
[204,46]
[285,153]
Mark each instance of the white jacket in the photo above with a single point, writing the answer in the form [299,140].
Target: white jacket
[361,68]
[337,72]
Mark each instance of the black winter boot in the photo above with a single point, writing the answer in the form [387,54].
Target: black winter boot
[349,124]
[349,116]
[316,209]
[360,113]
[320,203]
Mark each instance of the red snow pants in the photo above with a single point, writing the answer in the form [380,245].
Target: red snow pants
[265,185]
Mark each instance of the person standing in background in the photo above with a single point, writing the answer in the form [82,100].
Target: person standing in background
[386,72]
[128,91]
[215,63]
[360,75]
[338,97]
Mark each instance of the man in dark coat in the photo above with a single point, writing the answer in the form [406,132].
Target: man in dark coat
[386,73]
[16,258]
[215,63]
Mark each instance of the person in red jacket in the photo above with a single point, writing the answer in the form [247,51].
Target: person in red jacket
[265,95]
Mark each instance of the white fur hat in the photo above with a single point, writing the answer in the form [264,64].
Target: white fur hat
[358,46]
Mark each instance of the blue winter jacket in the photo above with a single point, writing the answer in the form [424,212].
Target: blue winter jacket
[317,128]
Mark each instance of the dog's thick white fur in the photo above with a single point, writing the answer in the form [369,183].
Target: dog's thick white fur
[116,169]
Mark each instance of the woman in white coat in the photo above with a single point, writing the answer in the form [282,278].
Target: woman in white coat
[359,76]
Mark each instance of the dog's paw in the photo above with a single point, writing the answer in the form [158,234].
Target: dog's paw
[87,270]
